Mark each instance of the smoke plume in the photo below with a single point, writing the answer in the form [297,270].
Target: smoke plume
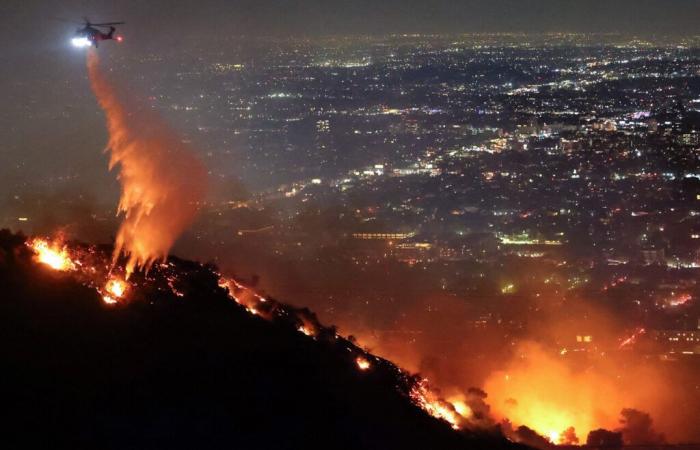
[637,428]
[162,182]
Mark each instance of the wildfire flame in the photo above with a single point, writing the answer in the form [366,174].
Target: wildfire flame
[53,254]
[437,407]
[57,256]
[251,301]
[306,330]
[307,327]
[116,287]
[109,300]
[549,397]
[114,290]
[162,182]
[461,407]
[362,363]
[554,437]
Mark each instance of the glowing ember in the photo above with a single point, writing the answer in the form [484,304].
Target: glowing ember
[307,331]
[680,300]
[52,254]
[109,300]
[362,363]
[633,338]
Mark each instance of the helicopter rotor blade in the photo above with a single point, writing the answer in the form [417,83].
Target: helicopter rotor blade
[61,19]
[107,24]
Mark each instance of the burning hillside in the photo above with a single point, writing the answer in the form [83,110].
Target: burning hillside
[183,355]
[178,354]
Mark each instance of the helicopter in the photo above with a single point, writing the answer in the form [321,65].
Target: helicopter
[90,33]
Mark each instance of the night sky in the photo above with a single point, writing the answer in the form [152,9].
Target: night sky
[21,18]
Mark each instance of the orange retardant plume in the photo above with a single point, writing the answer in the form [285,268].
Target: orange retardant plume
[162,181]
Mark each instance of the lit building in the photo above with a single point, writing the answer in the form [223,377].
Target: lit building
[383,236]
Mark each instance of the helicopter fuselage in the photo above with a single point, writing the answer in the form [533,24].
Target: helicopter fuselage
[91,35]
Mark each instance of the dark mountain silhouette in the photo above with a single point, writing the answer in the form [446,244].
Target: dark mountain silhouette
[196,371]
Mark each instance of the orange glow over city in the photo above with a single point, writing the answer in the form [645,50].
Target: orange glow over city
[543,393]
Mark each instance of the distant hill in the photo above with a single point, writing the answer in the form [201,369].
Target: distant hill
[190,371]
